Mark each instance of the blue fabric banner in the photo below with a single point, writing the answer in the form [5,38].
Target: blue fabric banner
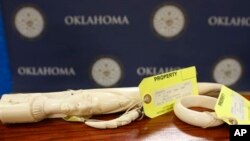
[78,44]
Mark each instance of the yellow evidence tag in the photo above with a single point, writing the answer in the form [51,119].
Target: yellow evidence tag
[159,92]
[232,107]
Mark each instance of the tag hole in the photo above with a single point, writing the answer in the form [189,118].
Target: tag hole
[147,98]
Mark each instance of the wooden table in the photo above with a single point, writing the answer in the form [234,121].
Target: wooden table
[165,127]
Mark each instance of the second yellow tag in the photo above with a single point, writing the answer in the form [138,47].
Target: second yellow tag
[232,107]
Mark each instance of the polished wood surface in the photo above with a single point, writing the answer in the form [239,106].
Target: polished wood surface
[165,127]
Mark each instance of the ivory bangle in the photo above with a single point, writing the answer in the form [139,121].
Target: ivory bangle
[201,119]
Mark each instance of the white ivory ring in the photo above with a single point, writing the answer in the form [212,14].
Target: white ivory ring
[202,119]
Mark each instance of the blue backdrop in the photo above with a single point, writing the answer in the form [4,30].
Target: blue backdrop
[72,44]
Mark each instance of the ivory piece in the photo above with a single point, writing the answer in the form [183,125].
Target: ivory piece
[201,119]
[34,107]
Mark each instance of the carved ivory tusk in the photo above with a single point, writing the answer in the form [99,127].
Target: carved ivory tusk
[201,119]
[34,107]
